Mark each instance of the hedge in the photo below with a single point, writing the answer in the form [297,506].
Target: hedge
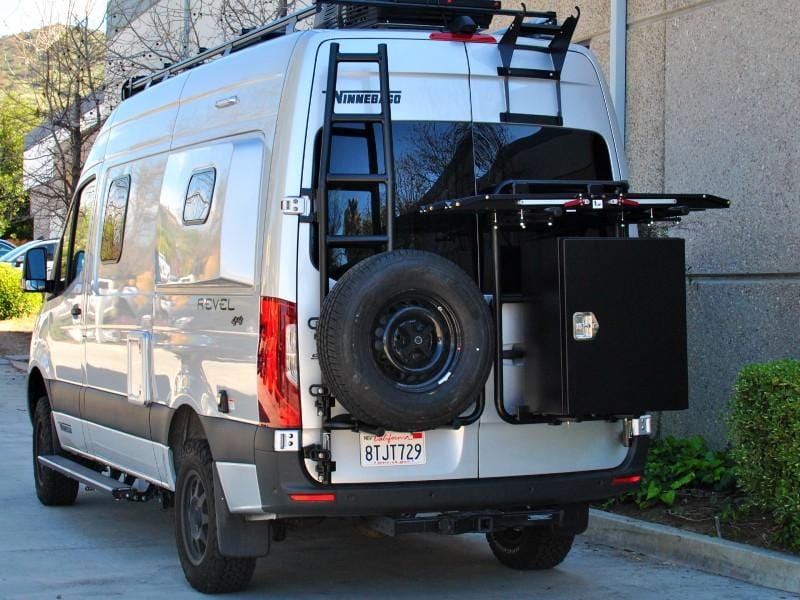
[764,426]
[13,301]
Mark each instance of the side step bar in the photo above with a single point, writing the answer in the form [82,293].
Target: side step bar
[87,476]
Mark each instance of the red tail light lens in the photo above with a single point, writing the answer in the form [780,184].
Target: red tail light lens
[313,497]
[474,38]
[626,480]
[278,394]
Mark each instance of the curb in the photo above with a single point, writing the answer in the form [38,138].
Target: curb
[19,362]
[720,557]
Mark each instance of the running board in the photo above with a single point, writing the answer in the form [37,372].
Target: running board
[93,479]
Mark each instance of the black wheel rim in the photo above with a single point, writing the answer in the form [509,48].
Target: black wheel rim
[194,517]
[509,538]
[416,342]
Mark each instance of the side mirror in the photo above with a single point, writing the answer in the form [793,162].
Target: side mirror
[34,270]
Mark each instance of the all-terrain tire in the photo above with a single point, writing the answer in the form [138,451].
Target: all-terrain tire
[406,340]
[530,548]
[205,568]
[52,488]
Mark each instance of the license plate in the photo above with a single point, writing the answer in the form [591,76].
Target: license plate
[393,449]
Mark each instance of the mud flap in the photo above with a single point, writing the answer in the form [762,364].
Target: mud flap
[236,536]
[574,519]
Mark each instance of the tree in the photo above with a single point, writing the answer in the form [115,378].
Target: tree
[65,65]
[16,117]
[140,43]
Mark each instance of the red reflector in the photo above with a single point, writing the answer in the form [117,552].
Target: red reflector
[313,497]
[627,201]
[475,38]
[626,480]
[573,203]
[278,396]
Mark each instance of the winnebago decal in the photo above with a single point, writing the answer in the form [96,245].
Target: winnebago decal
[365,97]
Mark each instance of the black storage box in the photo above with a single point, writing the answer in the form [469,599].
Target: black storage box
[637,360]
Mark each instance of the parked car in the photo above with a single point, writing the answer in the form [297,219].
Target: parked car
[6,247]
[361,271]
[17,256]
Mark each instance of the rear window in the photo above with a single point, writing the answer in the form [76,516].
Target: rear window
[441,161]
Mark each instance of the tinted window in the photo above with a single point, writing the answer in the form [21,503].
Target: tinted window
[440,161]
[504,152]
[197,204]
[114,219]
[76,235]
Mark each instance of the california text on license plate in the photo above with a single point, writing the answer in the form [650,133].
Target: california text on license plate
[393,449]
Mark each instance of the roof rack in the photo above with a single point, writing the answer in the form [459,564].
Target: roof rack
[286,25]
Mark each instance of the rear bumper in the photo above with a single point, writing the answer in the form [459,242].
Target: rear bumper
[282,474]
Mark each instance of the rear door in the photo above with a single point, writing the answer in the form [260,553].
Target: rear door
[583,148]
[430,105]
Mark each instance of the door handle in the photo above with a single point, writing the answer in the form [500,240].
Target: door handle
[76,310]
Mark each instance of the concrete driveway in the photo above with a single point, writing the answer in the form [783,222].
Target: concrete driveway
[103,548]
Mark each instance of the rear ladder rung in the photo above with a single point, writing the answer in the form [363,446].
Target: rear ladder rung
[507,117]
[357,58]
[548,74]
[548,29]
[356,178]
[345,117]
[348,241]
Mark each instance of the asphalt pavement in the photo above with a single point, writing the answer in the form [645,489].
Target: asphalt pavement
[103,548]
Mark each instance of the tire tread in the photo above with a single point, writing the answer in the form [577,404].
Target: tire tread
[539,549]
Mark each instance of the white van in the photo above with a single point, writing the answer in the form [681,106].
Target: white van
[385,269]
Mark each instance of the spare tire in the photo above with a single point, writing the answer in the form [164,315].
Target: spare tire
[405,340]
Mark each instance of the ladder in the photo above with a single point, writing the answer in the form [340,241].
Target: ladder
[326,241]
[560,37]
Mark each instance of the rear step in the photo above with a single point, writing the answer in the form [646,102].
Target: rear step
[87,476]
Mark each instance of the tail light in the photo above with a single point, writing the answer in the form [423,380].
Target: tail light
[278,369]
[626,480]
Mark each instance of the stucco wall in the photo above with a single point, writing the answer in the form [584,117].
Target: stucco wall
[713,103]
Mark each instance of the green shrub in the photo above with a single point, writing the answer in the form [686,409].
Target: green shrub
[764,427]
[13,301]
[678,463]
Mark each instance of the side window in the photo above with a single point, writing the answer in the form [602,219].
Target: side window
[197,203]
[76,235]
[114,219]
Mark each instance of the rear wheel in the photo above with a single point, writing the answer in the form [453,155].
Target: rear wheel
[530,548]
[52,488]
[206,569]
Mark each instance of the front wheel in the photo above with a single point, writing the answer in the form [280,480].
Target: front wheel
[206,569]
[52,488]
[530,548]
